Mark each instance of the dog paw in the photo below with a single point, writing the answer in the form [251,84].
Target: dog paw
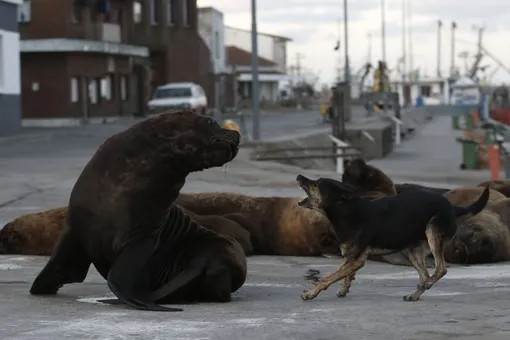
[411,297]
[341,293]
[307,295]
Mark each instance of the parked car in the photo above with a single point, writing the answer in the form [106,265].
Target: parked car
[178,96]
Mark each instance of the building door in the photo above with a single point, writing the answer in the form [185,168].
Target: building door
[137,90]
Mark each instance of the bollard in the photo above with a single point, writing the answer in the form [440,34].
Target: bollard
[494,161]
[476,117]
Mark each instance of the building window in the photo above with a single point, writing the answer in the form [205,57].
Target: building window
[75,94]
[93,91]
[24,11]
[106,88]
[124,87]
[137,11]
[154,11]
[170,19]
[185,13]
[426,90]
[77,12]
[217,44]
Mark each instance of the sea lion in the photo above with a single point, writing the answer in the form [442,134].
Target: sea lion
[278,226]
[33,233]
[368,178]
[484,238]
[501,185]
[121,218]
[36,233]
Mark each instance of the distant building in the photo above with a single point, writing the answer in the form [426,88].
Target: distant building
[270,47]
[269,75]
[10,107]
[103,58]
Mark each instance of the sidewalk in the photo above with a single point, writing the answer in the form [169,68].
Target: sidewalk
[431,155]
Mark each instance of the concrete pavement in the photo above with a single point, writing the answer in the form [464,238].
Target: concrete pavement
[38,173]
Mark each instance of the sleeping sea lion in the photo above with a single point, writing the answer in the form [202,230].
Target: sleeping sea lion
[485,237]
[33,233]
[501,185]
[121,218]
[36,233]
[278,226]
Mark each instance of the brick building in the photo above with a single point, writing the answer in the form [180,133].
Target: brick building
[86,59]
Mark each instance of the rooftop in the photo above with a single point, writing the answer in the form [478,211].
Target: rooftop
[260,33]
[239,57]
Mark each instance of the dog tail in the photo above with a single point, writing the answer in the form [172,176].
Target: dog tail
[474,208]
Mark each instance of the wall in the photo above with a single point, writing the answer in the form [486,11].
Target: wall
[10,88]
[242,39]
[212,30]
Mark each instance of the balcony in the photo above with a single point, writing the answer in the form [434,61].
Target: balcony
[103,32]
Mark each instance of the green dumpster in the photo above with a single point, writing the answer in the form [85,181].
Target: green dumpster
[456,122]
[469,153]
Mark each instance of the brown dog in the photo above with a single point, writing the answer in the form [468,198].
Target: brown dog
[36,233]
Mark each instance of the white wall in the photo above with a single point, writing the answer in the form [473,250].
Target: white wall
[9,63]
[211,29]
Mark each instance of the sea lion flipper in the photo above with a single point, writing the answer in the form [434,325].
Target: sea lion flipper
[124,275]
[192,271]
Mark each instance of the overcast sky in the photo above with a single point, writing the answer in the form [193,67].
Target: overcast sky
[314,27]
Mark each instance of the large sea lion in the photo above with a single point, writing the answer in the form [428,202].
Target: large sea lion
[36,233]
[33,233]
[484,238]
[278,226]
[121,218]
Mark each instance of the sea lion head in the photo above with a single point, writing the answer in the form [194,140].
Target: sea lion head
[11,242]
[193,141]
[324,192]
[472,244]
[367,177]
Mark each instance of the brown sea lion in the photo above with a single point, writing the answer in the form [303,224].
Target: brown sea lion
[36,233]
[121,218]
[367,178]
[278,226]
[501,185]
[33,233]
[484,238]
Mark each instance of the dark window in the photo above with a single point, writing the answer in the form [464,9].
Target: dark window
[175,92]
[426,90]
[112,16]
[185,13]
[155,11]
[170,12]
[77,11]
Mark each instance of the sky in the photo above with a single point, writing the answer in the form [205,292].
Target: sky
[314,26]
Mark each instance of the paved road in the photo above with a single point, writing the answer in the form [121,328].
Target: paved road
[38,172]
[469,303]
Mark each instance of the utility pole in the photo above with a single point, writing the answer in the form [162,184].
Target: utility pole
[299,56]
[439,26]
[404,61]
[410,31]
[347,71]
[452,56]
[383,30]
[255,97]
[369,54]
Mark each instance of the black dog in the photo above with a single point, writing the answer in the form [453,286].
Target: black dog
[418,223]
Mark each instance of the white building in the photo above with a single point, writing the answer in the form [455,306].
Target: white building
[212,30]
[271,47]
[10,77]
[433,91]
